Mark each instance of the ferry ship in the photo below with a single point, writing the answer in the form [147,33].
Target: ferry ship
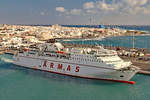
[92,63]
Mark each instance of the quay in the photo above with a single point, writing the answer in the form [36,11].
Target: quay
[11,52]
[7,51]
[144,72]
[2,51]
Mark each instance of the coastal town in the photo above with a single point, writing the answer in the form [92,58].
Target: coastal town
[15,36]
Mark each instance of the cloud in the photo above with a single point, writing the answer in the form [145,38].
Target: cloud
[112,7]
[91,11]
[135,2]
[75,11]
[104,6]
[60,9]
[143,2]
[88,5]
[42,13]
[123,6]
[146,10]
[137,7]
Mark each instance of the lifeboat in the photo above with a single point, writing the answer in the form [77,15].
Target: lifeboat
[61,52]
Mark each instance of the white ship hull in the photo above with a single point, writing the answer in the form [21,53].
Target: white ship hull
[72,68]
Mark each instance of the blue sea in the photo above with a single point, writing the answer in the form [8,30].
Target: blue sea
[17,83]
[128,27]
[120,41]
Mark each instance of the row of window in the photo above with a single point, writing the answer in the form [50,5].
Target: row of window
[82,55]
[91,60]
[114,61]
[72,58]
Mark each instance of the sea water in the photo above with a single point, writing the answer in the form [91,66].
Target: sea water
[17,83]
[120,41]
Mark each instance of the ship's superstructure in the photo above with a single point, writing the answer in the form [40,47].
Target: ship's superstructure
[93,63]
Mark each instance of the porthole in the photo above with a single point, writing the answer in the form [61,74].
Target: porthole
[121,76]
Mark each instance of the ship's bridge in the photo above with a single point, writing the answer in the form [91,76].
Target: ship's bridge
[111,58]
[115,61]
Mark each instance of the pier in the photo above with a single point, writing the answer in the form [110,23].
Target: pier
[11,52]
[144,72]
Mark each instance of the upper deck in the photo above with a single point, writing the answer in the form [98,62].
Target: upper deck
[95,56]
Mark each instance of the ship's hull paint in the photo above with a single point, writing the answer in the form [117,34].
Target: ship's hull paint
[120,81]
[72,69]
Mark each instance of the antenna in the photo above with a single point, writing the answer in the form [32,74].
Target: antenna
[99,45]
[96,44]
[133,41]
[90,21]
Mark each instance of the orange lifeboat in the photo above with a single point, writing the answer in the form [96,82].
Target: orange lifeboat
[26,49]
[61,52]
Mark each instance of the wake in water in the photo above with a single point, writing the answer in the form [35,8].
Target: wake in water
[6,60]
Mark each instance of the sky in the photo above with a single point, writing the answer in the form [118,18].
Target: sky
[124,12]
